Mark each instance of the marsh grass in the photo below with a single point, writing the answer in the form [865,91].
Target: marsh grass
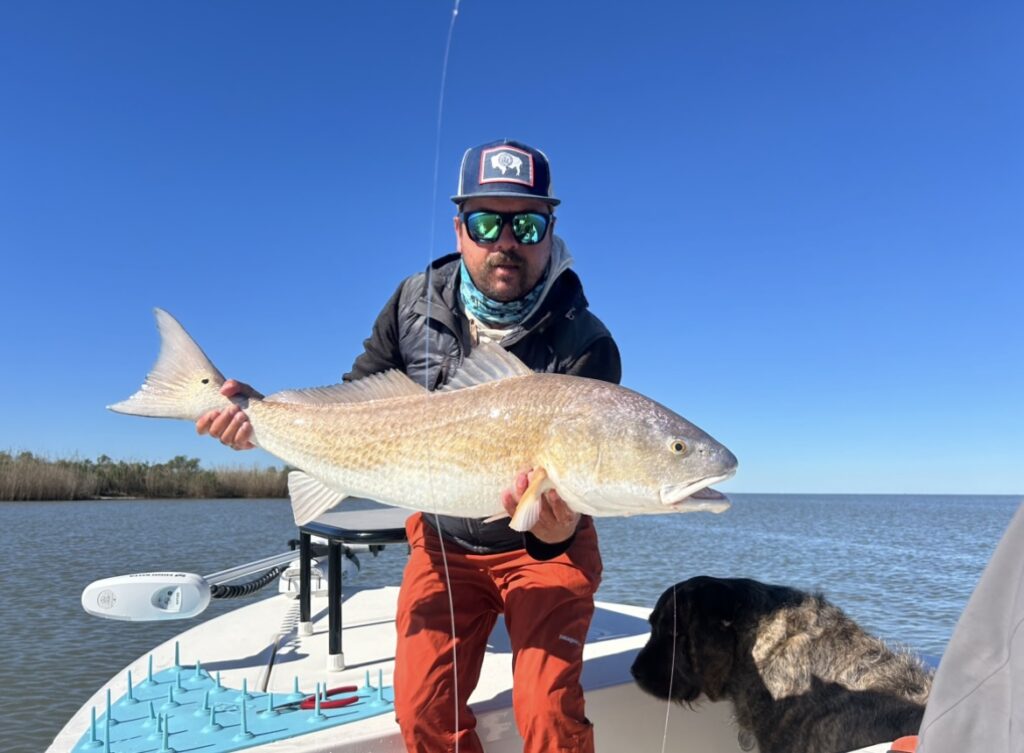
[28,477]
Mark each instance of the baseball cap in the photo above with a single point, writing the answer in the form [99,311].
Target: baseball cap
[505,168]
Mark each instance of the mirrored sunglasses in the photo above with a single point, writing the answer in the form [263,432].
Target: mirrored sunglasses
[484,226]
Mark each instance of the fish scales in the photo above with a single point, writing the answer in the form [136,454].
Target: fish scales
[449,452]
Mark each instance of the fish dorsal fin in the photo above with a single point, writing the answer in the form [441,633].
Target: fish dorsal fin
[487,362]
[381,386]
[310,497]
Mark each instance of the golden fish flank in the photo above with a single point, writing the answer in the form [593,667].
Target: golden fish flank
[605,449]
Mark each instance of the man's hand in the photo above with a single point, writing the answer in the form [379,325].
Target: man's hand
[230,425]
[557,521]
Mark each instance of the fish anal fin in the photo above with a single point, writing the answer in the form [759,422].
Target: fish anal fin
[310,497]
[528,510]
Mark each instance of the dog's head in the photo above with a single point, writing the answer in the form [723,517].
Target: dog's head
[698,633]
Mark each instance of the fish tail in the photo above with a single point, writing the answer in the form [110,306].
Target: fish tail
[183,383]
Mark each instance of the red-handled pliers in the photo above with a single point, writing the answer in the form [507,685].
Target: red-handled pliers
[309,702]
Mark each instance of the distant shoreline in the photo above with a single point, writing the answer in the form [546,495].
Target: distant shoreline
[143,499]
[137,499]
[25,477]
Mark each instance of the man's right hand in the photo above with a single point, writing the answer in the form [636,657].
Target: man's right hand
[230,425]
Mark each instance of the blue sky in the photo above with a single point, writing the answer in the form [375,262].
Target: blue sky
[802,221]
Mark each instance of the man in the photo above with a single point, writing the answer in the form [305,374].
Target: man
[509,283]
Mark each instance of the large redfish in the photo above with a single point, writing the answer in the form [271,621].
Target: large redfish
[605,449]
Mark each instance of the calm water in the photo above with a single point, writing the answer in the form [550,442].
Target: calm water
[904,566]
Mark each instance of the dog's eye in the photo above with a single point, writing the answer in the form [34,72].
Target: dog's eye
[677,446]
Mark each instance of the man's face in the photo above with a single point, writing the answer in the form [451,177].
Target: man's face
[505,270]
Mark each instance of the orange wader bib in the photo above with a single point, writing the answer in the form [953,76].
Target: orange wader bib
[547,606]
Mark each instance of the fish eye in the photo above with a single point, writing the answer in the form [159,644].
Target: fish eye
[206,381]
[677,446]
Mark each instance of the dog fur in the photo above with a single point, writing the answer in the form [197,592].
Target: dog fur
[801,675]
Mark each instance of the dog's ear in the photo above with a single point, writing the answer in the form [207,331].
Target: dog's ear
[712,634]
[717,600]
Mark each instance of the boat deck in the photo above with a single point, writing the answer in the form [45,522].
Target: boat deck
[261,646]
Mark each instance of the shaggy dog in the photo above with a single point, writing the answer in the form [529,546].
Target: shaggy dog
[801,675]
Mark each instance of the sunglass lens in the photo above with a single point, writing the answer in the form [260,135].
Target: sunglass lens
[484,226]
[529,228]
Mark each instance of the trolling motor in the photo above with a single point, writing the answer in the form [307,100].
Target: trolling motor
[146,597]
[151,597]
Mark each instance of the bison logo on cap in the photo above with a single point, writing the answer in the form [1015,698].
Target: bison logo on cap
[505,161]
[506,164]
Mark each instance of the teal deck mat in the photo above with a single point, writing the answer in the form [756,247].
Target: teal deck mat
[184,709]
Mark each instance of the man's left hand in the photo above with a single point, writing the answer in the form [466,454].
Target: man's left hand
[557,520]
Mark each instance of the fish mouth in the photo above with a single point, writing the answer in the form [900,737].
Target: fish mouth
[675,494]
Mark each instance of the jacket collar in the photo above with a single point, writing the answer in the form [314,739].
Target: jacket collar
[565,298]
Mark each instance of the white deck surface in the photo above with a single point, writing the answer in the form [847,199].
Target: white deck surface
[261,644]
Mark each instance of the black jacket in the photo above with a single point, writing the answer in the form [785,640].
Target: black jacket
[562,336]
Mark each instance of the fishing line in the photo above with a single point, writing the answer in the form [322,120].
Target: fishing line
[426,371]
[671,673]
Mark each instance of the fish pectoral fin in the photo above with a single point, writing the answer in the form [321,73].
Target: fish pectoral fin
[310,497]
[528,510]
